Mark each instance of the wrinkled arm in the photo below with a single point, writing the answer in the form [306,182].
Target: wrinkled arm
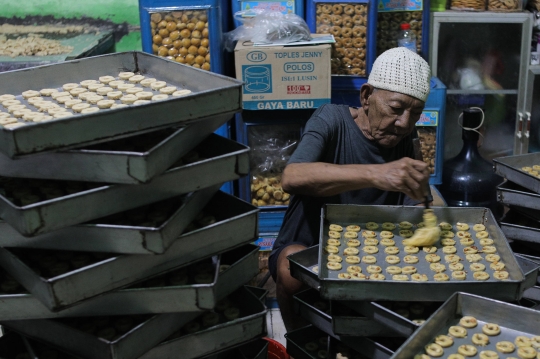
[323,179]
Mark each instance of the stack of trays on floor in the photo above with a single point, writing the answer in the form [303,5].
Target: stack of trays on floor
[115,240]
[391,315]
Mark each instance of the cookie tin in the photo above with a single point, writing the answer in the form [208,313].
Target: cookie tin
[374,290]
[297,340]
[115,161]
[334,317]
[212,94]
[224,160]
[139,299]
[249,325]
[485,310]
[149,331]
[118,271]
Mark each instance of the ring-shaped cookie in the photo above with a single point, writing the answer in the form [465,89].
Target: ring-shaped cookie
[350,251]
[501,275]
[358,20]
[359,9]
[331,249]
[522,341]
[388,226]
[333,242]
[434,350]
[459,275]
[482,234]
[411,249]
[336,228]
[353,243]
[467,350]
[408,270]
[497,266]
[462,226]
[457,332]
[348,9]
[326,8]
[336,31]
[480,275]
[393,270]
[406,233]
[391,250]
[354,269]
[417,277]
[344,276]
[470,250]
[400,277]
[466,241]
[334,258]
[359,276]
[351,235]
[505,346]
[358,42]
[346,32]
[392,259]
[410,259]
[449,249]
[444,341]
[429,249]
[441,277]
[372,226]
[387,242]
[447,234]
[369,259]
[479,227]
[334,265]
[334,234]
[369,234]
[370,249]
[468,321]
[445,226]
[352,259]
[353,228]
[371,241]
[386,234]
[488,354]
[448,242]
[472,258]
[374,269]
[493,258]
[347,22]
[337,20]
[489,249]
[337,9]
[437,267]
[432,258]
[480,339]
[526,352]
[377,276]
[476,267]
[486,242]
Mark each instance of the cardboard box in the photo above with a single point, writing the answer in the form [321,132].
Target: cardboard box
[283,77]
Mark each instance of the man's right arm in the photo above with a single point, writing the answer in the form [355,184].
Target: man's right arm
[325,179]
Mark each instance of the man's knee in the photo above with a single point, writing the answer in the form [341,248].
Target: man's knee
[284,279]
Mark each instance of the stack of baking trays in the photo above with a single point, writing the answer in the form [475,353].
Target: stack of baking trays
[115,239]
[369,292]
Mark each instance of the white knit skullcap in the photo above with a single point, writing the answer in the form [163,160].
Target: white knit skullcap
[401,70]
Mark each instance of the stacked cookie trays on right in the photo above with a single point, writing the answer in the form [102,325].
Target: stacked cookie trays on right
[520,195]
[392,288]
[116,241]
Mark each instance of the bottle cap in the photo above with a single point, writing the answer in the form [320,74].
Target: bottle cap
[472,117]
[405,26]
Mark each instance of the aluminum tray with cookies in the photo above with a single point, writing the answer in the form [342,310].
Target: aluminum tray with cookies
[35,207]
[62,105]
[130,160]
[362,255]
[467,325]
[523,170]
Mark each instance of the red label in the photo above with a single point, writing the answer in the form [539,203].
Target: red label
[299,90]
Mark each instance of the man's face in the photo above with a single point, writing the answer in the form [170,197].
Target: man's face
[392,116]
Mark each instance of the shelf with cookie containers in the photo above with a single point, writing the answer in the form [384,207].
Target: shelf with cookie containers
[402,311]
[140,237]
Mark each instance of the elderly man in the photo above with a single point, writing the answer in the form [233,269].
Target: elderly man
[354,156]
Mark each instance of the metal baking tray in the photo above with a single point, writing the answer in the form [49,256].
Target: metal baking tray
[121,161]
[385,314]
[520,227]
[118,271]
[139,299]
[38,350]
[485,310]
[297,340]
[250,325]
[111,235]
[12,346]
[69,335]
[212,94]
[333,317]
[511,194]
[510,168]
[225,160]
[257,349]
[336,289]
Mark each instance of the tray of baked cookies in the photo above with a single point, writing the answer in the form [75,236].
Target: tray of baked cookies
[61,105]
[35,206]
[363,256]
[472,326]
[130,160]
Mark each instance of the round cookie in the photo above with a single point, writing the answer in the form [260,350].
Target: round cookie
[377,276]
[371,241]
[369,259]
[372,226]
[334,266]
[467,350]
[409,259]
[459,275]
[393,270]
[419,277]
[370,249]
[335,227]
[480,339]
[468,321]
[353,243]
[392,259]
[491,329]
[408,270]
[434,350]
[350,251]
[444,341]
[352,259]
[400,277]
[505,347]
[480,275]
[441,277]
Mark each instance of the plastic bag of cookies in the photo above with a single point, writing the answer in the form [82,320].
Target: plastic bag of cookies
[505,5]
[468,5]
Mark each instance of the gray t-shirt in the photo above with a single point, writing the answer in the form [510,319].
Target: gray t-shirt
[332,136]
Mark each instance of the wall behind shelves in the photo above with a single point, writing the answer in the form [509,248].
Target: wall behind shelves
[124,13]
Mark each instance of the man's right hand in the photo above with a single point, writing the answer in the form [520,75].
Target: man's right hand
[405,175]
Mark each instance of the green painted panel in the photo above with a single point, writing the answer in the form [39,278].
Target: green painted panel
[130,42]
[118,11]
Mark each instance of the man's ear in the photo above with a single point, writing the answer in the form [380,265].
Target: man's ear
[365,92]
